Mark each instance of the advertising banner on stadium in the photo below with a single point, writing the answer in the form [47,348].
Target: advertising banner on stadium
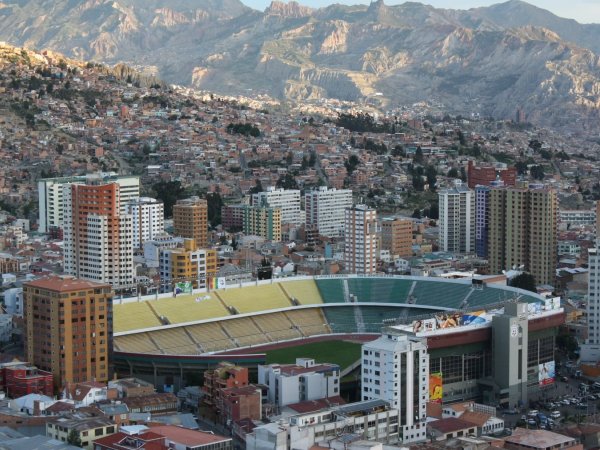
[475,318]
[221,283]
[435,387]
[184,287]
[424,325]
[448,320]
[547,373]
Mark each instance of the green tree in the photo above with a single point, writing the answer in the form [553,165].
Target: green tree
[524,281]
[214,204]
[537,172]
[418,158]
[73,438]
[351,164]
[287,181]
[256,188]
[169,192]
[453,173]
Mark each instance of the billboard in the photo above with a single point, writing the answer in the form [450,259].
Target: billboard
[435,387]
[424,325]
[546,373]
[475,318]
[534,308]
[448,320]
[183,287]
[221,283]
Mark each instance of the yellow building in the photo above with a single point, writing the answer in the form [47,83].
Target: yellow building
[263,221]
[187,264]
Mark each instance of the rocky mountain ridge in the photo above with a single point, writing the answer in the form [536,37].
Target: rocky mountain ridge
[485,60]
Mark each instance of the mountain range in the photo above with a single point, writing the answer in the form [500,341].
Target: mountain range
[489,60]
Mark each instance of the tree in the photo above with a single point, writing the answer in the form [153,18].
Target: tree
[73,438]
[289,158]
[256,188]
[214,203]
[453,173]
[537,172]
[312,159]
[287,181]
[431,174]
[524,281]
[351,164]
[418,159]
[398,151]
[169,192]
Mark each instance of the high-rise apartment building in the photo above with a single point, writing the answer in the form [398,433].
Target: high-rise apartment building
[148,219]
[482,202]
[360,240]
[98,237]
[68,328]
[523,230]
[325,210]
[50,193]
[188,263]
[190,220]
[395,368]
[396,236]
[457,219]
[590,351]
[263,221]
[287,200]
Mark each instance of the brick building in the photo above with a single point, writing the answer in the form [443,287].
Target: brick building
[484,175]
[24,379]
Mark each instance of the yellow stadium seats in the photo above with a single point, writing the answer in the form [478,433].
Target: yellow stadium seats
[175,341]
[255,298]
[305,292]
[277,326]
[210,336]
[189,308]
[244,332]
[133,316]
[135,343]
[309,321]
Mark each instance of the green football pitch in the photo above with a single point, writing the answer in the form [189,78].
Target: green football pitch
[342,353]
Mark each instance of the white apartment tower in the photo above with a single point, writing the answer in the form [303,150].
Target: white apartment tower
[50,193]
[590,351]
[395,368]
[287,200]
[148,219]
[360,240]
[457,219]
[98,237]
[325,210]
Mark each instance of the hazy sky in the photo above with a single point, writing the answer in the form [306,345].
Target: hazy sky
[585,11]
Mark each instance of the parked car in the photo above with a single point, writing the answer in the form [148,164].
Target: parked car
[555,414]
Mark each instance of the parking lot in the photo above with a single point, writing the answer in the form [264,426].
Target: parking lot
[565,397]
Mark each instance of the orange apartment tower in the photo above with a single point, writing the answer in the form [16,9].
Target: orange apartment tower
[98,236]
[190,220]
[68,328]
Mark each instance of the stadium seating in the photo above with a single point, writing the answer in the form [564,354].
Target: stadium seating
[255,298]
[189,308]
[134,316]
[331,289]
[305,291]
[310,321]
[440,293]
[210,336]
[244,332]
[382,290]
[488,295]
[135,343]
[277,327]
[175,340]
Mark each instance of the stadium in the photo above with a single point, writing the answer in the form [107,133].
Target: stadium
[168,339]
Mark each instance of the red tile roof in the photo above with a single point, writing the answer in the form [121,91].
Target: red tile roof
[450,425]
[64,284]
[316,405]
[186,436]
